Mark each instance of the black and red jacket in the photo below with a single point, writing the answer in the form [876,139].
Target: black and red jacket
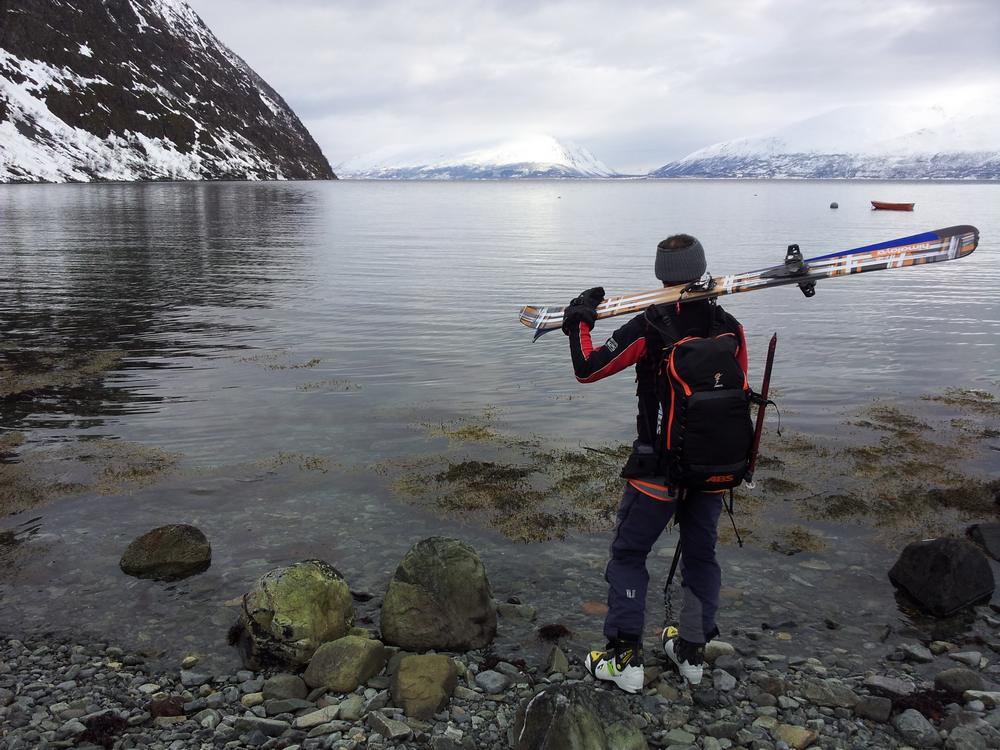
[639,343]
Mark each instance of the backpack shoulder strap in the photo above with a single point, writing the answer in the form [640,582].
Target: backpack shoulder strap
[662,325]
[718,321]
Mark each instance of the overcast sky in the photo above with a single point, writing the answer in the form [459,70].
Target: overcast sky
[638,83]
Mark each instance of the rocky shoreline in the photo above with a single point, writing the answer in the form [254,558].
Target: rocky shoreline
[60,694]
[432,673]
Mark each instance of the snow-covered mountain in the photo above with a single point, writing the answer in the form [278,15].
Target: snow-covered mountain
[889,142]
[527,156]
[137,90]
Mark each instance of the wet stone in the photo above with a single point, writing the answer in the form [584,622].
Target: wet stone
[286,706]
[284,685]
[889,686]
[969,658]
[874,707]
[917,653]
[492,682]
[916,730]
[269,727]
[957,680]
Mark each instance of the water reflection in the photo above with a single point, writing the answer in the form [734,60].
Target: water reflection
[105,281]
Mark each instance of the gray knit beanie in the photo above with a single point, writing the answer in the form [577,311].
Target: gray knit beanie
[680,259]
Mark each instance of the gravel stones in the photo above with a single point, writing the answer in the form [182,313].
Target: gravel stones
[290,612]
[916,730]
[167,553]
[345,663]
[439,598]
[423,684]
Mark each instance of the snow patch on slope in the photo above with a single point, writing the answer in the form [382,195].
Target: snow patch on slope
[58,124]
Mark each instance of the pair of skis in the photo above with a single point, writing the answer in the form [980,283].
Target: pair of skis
[915,250]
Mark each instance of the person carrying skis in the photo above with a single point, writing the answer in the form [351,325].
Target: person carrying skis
[650,497]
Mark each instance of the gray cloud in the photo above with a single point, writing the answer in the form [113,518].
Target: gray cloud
[639,83]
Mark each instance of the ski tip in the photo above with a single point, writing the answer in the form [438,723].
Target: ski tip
[541,332]
[965,236]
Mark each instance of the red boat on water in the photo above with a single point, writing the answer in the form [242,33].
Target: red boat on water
[883,206]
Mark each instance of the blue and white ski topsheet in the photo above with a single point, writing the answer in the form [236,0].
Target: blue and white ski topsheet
[928,247]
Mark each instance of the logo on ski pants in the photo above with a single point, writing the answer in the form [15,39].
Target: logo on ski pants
[641,520]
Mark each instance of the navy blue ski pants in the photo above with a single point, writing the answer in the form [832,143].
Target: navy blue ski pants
[641,520]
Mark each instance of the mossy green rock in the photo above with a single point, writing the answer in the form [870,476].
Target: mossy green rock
[576,717]
[345,663]
[439,598]
[422,685]
[290,612]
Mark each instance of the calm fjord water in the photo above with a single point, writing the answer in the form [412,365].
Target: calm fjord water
[410,291]
[330,318]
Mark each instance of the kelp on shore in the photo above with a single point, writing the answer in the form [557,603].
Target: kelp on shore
[889,469]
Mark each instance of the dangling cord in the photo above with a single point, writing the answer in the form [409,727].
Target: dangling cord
[729,510]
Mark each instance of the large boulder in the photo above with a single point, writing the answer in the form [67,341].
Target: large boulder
[576,717]
[341,665]
[439,598]
[168,553]
[943,575]
[290,612]
[423,684]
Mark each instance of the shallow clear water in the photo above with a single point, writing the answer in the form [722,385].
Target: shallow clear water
[222,297]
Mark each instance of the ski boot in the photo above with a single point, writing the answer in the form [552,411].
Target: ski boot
[689,658]
[620,663]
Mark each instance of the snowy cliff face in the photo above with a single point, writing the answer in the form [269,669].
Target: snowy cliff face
[858,142]
[529,156]
[137,90]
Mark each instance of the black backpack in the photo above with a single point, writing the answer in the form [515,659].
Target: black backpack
[705,431]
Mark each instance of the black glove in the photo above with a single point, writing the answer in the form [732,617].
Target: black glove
[583,308]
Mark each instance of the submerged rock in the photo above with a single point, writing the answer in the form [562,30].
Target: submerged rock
[168,553]
[439,598]
[290,612]
[576,717]
[943,575]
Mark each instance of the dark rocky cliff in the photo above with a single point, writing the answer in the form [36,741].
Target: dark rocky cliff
[137,90]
